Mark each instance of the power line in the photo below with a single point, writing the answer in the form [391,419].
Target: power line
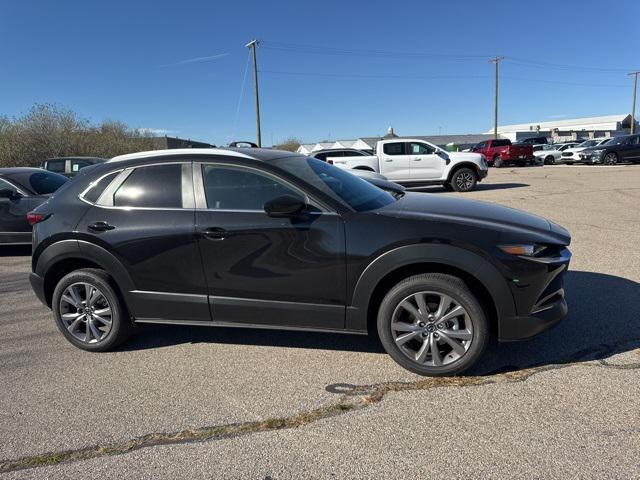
[244,80]
[365,75]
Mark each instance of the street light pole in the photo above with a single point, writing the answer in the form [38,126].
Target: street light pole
[252,45]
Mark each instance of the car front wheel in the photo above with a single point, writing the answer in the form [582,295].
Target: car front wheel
[431,324]
[610,159]
[464,180]
[89,312]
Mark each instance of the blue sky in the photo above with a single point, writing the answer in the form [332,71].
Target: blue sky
[326,70]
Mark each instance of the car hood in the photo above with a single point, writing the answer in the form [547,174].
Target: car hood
[473,212]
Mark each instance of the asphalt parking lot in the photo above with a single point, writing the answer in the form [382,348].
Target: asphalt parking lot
[180,402]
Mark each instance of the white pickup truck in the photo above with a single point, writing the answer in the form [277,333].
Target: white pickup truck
[413,162]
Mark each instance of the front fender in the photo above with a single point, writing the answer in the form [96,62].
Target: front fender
[447,255]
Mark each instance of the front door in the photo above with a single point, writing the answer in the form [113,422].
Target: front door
[426,164]
[262,270]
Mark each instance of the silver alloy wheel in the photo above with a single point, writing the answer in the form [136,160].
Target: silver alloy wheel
[86,312]
[464,181]
[432,329]
[610,159]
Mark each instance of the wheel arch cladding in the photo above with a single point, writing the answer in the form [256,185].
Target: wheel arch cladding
[386,270]
[67,255]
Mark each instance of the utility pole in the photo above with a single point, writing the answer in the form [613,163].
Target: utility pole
[495,61]
[252,45]
[633,108]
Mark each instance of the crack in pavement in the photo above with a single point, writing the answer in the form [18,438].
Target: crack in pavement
[354,397]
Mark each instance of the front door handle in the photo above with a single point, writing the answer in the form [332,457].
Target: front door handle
[389,160]
[101,226]
[417,159]
[215,233]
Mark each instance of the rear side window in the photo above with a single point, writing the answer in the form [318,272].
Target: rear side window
[56,165]
[93,194]
[156,186]
[76,165]
[500,143]
[45,182]
[397,148]
[237,188]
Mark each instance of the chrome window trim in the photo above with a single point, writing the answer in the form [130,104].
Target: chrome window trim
[188,198]
[201,198]
[18,189]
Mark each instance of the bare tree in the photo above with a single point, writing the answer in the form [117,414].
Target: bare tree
[48,131]
[290,144]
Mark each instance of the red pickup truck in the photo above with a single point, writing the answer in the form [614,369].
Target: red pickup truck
[501,152]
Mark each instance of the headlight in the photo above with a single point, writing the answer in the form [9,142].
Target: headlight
[525,250]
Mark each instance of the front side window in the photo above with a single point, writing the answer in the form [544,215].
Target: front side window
[229,187]
[500,143]
[155,186]
[396,148]
[420,149]
[76,165]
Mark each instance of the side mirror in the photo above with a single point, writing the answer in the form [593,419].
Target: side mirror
[8,193]
[285,206]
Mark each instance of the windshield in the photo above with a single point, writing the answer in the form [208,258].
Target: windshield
[40,183]
[337,183]
[590,143]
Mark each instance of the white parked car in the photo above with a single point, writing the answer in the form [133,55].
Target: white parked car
[414,162]
[571,155]
[551,154]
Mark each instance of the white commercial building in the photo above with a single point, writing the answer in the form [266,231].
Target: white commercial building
[570,129]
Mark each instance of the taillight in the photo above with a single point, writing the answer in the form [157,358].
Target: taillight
[330,161]
[34,218]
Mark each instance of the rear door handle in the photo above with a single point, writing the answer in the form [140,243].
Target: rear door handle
[215,233]
[417,159]
[101,226]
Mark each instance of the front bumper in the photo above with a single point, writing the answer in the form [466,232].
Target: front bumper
[538,290]
[37,284]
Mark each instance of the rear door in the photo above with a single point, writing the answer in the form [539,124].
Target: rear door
[426,164]
[13,214]
[145,218]
[395,162]
[264,270]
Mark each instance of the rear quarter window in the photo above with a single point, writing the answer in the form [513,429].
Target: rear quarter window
[98,187]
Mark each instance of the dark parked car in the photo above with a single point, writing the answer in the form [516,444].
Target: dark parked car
[625,148]
[22,190]
[270,239]
[337,152]
[70,166]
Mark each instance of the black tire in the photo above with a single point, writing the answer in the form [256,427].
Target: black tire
[437,283]
[610,158]
[121,326]
[550,160]
[464,180]
[497,161]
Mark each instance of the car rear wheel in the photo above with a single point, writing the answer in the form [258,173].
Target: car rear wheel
[610,159]
[464,180]
[89,312]
[550,160]
[497,161]
[431,324]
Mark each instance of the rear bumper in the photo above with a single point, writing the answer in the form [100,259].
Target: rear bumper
[37,284]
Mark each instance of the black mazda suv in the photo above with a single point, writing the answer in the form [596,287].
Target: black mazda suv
[270,239]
